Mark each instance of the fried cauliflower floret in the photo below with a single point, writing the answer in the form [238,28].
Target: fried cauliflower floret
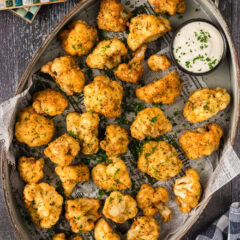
[146,28]
[151,201]
[159,160]
[112,175]
[63,150]
[119,207]
[104,96]
[187,190]
[82,213]
[33,129]
[150,122]
[205,103]
[30,169]
[61,236]
[67,74]
[43,203]
[50,102]
[103,231]
[71,175]
[79,38]
[112,16]
[85,127]
[165,90]
[107,54]
[144,228]
[157,63]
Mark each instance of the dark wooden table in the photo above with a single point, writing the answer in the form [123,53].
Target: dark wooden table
[19,41]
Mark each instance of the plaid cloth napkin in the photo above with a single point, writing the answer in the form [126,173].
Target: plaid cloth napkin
[227,227]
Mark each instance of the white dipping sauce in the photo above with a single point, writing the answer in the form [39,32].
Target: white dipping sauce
[198,47]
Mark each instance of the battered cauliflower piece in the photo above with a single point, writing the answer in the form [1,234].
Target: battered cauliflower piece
[79,38]
[132,71]
[107,54]
[104,96]
[165,90]
[85,127]
[119,207]
[151,201]
[112,16]
[30,169]
[61,236]
[63,150]
[112,175]
[188,191]
[50,102]
[157,63]
[66,73]
[82,213]
[150,122]
[159,160]
[103,231]
[116,140]
[144,228]
[33,129]
[43,203]
[71,175]
[146,28]
[202,141]
[205,103]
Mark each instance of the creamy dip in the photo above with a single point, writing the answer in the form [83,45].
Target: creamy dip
[198,47]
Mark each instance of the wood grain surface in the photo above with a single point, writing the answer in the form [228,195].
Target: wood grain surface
[18,42]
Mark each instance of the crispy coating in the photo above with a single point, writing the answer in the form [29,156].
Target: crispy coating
[71,175]
[63,150]
[119,207]
[107,54]
[33,129]
[159,160]
[67,74]
[157,63]
[50,102]
[104,96]
[187,190]
[82,213]
[150,122]
[144,228]
[205,103]
[79,38]
[61,236]
[30,169]
[112,16]
[151,201]
[202,141]
[43,203]
[146,28]
[85,127]
[112,175]
[165,90]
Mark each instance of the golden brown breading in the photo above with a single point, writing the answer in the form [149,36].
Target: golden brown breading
[157,63]
[119,207]
[71,175]
[150,122]
[104,96]
[67,74]
[62,150]
[188,191]
[112,16]
[107,54]
[43,203]
[82,213]
[85,127]
[33,129]
[79,38]
[165,90]
[30,169]
[159,160]
[205,103]
[112,175]
[61,236]
[146,28]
